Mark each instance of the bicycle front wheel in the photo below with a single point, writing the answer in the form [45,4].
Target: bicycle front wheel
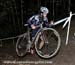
[51,43]
[21,45]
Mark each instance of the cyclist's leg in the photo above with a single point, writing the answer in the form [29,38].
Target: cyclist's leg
[42,41]
[32,35]
[34,31]
[32,38]
[41,37]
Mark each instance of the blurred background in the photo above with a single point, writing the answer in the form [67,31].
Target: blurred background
[15,13]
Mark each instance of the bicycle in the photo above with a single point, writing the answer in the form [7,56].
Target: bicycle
[53,53]
[51,45]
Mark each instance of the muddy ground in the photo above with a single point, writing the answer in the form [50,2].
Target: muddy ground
[66,55]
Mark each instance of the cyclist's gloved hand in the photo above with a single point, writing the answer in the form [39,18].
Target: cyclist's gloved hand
[51,24]
[33,26]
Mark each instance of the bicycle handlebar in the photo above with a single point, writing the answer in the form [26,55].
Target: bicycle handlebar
[41,25]
[49,25]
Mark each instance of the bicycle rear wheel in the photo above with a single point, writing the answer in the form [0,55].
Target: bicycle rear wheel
[51,44]
[21,45]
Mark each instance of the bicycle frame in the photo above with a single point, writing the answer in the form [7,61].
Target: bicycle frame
[67,20]
[28,32]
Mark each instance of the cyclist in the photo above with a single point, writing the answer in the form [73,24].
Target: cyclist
[36,20]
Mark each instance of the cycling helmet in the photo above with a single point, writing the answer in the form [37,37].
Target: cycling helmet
[44,10]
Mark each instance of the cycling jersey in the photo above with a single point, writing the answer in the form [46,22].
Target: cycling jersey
[36,20]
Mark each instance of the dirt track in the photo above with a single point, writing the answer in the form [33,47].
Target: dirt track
[66,56]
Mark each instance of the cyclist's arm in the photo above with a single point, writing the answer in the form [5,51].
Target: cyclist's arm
[49,24]
[31,22]
[46,23]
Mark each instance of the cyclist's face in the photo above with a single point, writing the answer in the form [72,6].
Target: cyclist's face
[44,14]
